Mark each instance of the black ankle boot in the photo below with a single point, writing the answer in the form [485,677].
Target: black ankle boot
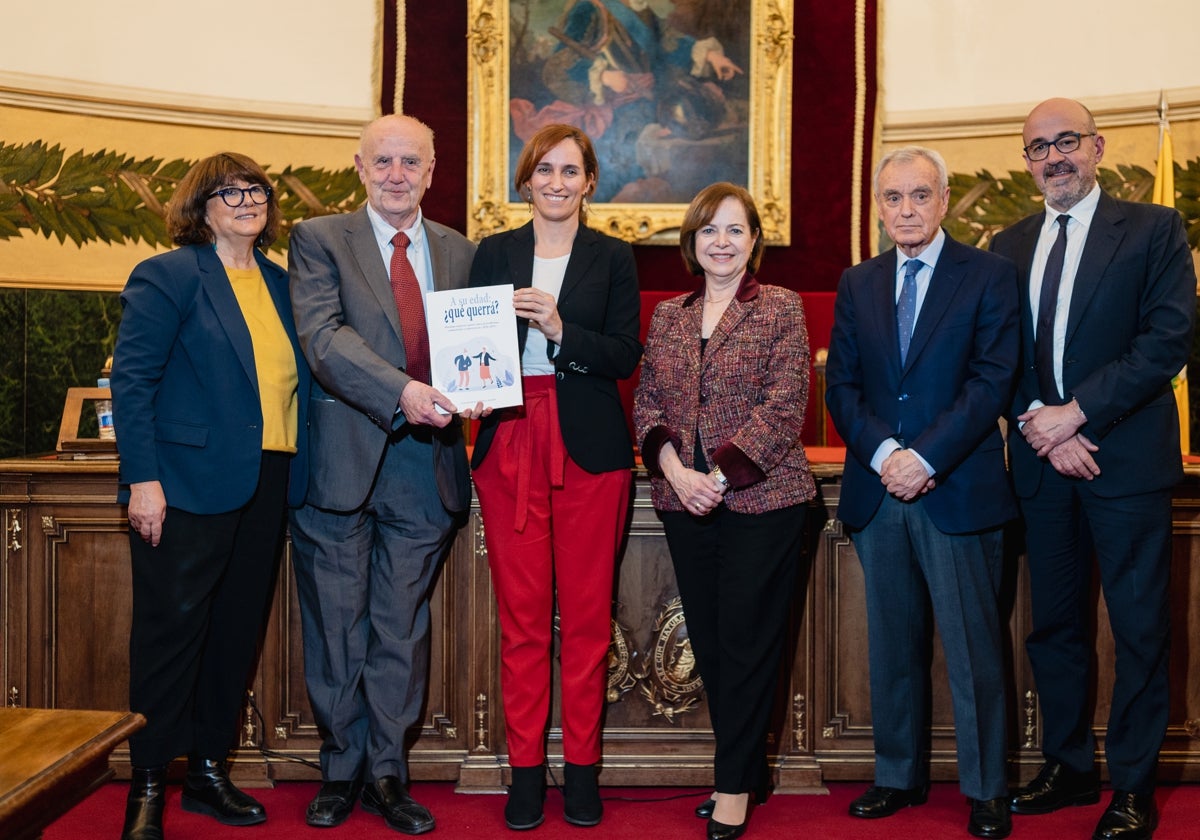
[581,795]
[526,795]
[207,790]
[144,807]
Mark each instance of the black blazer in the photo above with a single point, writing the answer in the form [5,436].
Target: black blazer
[1129,331]
[600,307]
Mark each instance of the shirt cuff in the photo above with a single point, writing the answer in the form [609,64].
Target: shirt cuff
[885,449]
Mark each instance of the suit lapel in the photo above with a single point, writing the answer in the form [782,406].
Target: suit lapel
[743,303]
[518,250]
[364,250]
[689,330]
[439,256]
[1104,235]
[229,313]
[278,288]
[947,276]
[583,254]
[1024,243]
[881,283]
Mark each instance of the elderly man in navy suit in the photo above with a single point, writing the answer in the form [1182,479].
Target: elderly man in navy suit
[1108,296]
[921,366]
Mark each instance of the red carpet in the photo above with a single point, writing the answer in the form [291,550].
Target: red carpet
[626,814]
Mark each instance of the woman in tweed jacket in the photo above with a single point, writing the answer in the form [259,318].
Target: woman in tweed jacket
[718,411]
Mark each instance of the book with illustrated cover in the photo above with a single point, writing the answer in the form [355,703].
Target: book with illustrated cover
[473,355]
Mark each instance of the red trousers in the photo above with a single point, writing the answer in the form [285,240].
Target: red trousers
[552,529]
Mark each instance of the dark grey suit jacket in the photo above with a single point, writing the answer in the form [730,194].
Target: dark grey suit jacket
[348,326]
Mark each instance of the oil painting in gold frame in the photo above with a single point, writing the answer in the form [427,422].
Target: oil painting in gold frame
[694,129]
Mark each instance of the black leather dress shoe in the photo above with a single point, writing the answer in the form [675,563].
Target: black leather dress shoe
[1056,786]
[389,798]
[1129,816]
[332,804]
[705,809]
[885,801]
[990,818]
[207,790]
[721,831]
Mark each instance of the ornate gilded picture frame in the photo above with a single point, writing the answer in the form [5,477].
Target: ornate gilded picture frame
[675,94]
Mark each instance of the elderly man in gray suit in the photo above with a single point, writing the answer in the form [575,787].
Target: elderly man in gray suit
[389,480]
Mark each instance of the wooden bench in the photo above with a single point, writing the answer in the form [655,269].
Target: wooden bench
[51,759]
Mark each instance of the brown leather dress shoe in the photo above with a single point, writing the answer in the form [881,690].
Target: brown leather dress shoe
[990,818]
[1056,786]
[885,801]
[1129,816]
[389,798]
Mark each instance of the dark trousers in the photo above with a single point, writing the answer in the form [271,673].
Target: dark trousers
[737,575]
[1131,538]
[200,598]
[908,567]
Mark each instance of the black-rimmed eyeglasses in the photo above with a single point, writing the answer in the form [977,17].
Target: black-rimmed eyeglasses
[236,196]
[1065,144]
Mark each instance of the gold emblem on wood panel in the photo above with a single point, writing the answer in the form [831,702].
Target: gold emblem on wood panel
[620,677]
[670,681]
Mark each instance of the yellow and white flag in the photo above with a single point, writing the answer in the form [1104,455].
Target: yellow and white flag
[1164,194]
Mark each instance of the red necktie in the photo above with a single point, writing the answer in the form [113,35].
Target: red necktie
[410,304]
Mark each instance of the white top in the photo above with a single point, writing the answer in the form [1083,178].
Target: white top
[547,277]
[1077,230]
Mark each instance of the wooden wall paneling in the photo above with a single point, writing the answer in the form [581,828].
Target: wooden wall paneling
[481,770]
[14,590]
[64,615]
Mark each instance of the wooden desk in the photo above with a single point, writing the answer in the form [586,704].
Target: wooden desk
[51,759]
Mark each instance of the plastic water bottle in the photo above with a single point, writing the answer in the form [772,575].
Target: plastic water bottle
[104,414]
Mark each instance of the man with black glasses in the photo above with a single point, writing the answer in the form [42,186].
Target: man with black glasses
[1107,301]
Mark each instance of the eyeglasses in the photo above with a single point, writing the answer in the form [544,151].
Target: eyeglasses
[236,196]
[1065,144]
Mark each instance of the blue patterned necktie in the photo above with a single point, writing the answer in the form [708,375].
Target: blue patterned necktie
[906,307]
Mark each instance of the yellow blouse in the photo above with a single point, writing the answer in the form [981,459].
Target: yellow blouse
[273,359]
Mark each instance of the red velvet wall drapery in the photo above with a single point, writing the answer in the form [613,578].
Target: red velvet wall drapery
[825,85]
